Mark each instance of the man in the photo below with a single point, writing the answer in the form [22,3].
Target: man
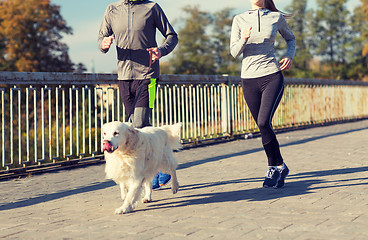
[132,24]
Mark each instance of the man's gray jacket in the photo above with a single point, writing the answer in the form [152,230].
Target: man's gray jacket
[133,24]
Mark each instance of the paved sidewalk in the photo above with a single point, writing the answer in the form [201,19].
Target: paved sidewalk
[325,196]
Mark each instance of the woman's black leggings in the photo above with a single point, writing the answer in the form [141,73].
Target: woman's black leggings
[263,96]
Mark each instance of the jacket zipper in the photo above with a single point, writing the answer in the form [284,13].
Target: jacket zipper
[130,22]
[259,22]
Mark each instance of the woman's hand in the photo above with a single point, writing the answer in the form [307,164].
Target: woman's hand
[286,64]
[246,33]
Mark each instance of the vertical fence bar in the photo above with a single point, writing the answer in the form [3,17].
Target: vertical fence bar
[83,121]
[19,127]
[202,111]
[63,113]
[96,133]
[43,124]
[57,140]
[77,121]
[191,118]
[70,122]
[154,111]
[175,104]
[50,124]
[118,104]
[101,117]
[212,111]
[205,104]
[35,125]
[170,109]
[183,107]
[89,121]
[187,119]
[215,110]
[113,105]
[198,119]
[162,117]
[166,100]
[107,105]
[2,90]
[27,126]
[11,128]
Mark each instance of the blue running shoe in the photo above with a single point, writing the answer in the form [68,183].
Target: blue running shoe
[155,184]
[164,179]
[271,178]
[284,171]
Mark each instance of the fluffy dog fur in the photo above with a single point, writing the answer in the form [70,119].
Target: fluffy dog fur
[134,156]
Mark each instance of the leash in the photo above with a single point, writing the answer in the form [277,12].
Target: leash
[150,63]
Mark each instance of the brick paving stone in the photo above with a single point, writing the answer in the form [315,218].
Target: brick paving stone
[325,196]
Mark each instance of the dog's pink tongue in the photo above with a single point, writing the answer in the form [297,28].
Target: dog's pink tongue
[107,147]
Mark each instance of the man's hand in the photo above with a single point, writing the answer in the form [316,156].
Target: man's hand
[155,54]
[106,42]
[286,63]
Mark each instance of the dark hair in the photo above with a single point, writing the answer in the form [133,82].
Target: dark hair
[270,5]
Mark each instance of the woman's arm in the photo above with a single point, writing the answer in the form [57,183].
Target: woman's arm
[289,37]
[238,39]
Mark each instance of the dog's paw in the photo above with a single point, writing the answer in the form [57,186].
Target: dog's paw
[119,211]
[146,200]
[122,210]
[174,190]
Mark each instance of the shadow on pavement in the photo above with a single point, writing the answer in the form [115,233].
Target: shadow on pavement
[297,187]
[250,151]
[54,196]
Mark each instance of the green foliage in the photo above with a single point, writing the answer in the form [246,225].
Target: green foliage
[192,55]
[332,34]
[30,34]
[299,25]
[364,9]
[224,62]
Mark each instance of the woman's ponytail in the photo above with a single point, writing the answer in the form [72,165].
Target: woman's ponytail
[270,5]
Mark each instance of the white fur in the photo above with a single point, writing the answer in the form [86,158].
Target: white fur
[135,156]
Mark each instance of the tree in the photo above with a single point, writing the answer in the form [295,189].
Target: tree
[358,58]
[2,52]
[193,53]
[224,62]
[31,32]
[298,23]
[364,9]
[80,68]
[332,34]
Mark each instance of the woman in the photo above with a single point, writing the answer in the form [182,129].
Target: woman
[253,35]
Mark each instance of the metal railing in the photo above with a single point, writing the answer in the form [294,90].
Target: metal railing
[48,118]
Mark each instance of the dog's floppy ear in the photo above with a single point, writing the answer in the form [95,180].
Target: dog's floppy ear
[132,130]
[132,136]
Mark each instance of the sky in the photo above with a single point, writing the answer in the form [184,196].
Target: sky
[84,17]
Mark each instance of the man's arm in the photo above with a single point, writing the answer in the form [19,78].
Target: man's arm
[164,26]
[105,34]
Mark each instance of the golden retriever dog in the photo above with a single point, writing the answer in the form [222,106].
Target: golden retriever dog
[134,156]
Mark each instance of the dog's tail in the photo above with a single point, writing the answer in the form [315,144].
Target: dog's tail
[174,135]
